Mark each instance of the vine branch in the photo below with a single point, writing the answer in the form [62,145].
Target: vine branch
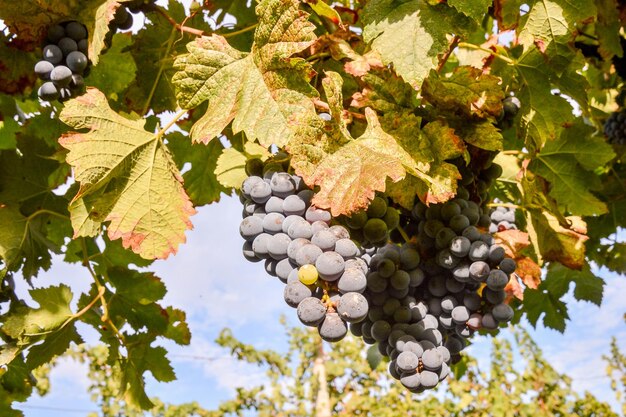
[486,50]
[446,56]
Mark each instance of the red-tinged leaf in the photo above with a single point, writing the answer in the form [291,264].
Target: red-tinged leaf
[127,177]
[349,178]
[513,241]
[514,289]
[528,271]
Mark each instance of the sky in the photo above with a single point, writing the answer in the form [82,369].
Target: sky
[217,287]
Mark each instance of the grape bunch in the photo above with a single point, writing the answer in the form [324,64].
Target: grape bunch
[615,128]
[64,62]
[502,218]
[427,297]
[319,263]
[372,227]
[123,18]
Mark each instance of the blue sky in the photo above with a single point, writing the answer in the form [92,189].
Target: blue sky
[212,282]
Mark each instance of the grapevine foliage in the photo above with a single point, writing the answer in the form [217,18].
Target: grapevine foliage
[405,103]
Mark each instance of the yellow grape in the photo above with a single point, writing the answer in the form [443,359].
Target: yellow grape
[307,274]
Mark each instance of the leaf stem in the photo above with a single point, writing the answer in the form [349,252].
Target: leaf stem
[171,123]
[446,56]
[240,31]
[508,205]
[489,51]
[403,233]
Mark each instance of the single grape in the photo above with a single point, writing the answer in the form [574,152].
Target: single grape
[314,214]
[479,251]
[77,83]
[324,239]
[295,292]
[508,266]
[407,361]
[273,223]
[251,227]
[55,33]
[502,312]
[429,379]
[377,208]
[330,265]
[346,248]
[311,311]
[391,218]
[284,268]
[48,91]
[432,359]
[294,205]
[497,280]
[494,297]
[274,205]
[67,45]
[375,230]
[259,245]
[352,307]
[260,192]
[43,69]
[333,328]
[75,30]
[352,280]
[248,184]
[83,46]
[52,54]
[381,330]
[460,314]
[307,274]
[282,184]
[489,322]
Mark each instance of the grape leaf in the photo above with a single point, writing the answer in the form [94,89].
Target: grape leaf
[588,286]
[8,126]
[231,168]
[264,93]
[543,114]
[25,323]
[467,91]
[349,178]
[554,242]
[566,163]
[411,34]
[201,183]
[540,302]
[430,147]
[126,176]
[116,69]
[152,49]
[507,13]
[54,345]
[16,67]
[142,357]
[483,135]
[549,22]
[608,27]
[476,9]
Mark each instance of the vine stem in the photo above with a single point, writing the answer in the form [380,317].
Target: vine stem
[508,205]
[101,290]
[446,56]
[403,233]
[486,50]
[240,31]
[171,123]
[178,26]
[324,106]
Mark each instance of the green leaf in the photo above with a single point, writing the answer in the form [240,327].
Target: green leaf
[264,93]
[374,358]
[589,287]
[539,303]
[543,114]
[467,91]
[54,345]
[127,177]
[201,182]
[410,35]
[608,28]
[25,323]
[566,163]
[549,22]
[8,126]
[116,69]
[231,168]
[152,49]
[142,358]
[483,135]
[476,9]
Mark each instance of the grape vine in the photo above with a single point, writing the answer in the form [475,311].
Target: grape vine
[411,195]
